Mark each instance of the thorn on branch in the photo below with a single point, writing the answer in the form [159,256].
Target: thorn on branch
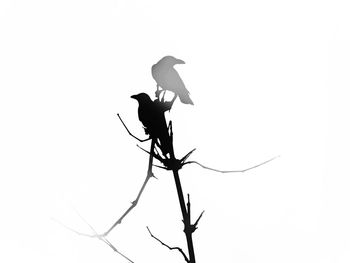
[196,223]
[169,247]
[183,159]
[152,175]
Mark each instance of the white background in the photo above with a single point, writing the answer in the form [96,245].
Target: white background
[267,78]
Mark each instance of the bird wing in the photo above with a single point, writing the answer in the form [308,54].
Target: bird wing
[153,120]
[176,85]
[169,79]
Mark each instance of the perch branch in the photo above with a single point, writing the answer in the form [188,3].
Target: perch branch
[169,247]
[231,171]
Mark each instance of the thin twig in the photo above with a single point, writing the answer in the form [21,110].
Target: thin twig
[95,235]
[183,159]
[134,203]
[104,239]
[130,132]
[162,167]
[231,171]
[169,247]
[200,216]
[73,230]
[151,153]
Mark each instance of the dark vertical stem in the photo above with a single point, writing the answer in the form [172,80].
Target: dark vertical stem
[185,217]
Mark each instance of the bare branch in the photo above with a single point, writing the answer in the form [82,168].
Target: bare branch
[171,248]
[134,203]
[132,135]
[231,171]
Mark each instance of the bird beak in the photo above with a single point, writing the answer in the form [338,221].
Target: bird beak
[179,61]
[133,97]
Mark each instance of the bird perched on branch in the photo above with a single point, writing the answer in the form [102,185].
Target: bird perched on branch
[151,115]
[168,79]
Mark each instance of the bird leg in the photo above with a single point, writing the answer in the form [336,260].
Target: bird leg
[158,91]
[172,101]
[164,91]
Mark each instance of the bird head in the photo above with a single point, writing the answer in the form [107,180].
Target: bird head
[141,97]
[171,61]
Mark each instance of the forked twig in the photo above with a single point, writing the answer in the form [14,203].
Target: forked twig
[104,239]
[169,247]
[231,171]
[95,235]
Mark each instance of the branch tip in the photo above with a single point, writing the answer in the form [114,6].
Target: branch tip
[183,159]
[200,216]
[169,247]
[132,135]
[231,171]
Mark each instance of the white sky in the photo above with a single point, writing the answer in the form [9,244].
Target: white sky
[267,78]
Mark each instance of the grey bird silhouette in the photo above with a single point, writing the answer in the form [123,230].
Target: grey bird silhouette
[168,79]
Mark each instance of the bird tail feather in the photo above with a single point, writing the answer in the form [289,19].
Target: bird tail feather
[186,99]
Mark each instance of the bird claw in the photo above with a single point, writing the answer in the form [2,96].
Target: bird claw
[157,93]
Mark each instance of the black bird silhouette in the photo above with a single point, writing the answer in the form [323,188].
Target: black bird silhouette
[151,115]
[168,79]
